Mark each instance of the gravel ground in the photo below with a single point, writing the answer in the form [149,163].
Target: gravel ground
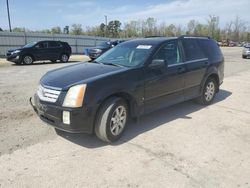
[183,149]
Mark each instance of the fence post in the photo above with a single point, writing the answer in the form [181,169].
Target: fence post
[25,38]
[76,45]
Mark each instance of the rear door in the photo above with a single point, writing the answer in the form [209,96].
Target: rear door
[164,87]
[196,63]
[55,49]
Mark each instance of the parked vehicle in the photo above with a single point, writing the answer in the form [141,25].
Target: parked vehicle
[225,42]
[37,51]
[95,52]
[132,79]
[246,51]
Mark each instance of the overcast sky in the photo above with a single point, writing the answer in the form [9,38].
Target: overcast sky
[42,14]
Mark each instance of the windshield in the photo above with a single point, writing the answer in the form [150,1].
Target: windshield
[104,44]
[126,55]
[29,45]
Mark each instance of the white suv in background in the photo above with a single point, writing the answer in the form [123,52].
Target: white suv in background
[246,51]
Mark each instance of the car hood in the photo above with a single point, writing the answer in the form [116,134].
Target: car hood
[12,50]
[80,73]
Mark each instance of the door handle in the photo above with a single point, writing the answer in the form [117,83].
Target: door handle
[181,70]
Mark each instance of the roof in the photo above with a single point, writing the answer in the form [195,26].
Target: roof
[150,41]
[159,40]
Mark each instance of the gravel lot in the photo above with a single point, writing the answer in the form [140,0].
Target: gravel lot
[186,145]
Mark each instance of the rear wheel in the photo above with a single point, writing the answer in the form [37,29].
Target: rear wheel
[243,56]
[27,60]
[64,58]
[208,92]
[111,120]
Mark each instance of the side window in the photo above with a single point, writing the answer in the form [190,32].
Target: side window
[54,44]
[192,50]
[211,49]
[169,52]
[45,44]
[39,45]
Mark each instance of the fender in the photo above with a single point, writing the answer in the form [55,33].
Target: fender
[210,71]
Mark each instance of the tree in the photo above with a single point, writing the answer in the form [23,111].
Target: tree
[238,26]
[213,27]
[102,28]
[150,26]
[18,29]
[66,30]
[114,28]
[56,30]
[76,29]
[191,27]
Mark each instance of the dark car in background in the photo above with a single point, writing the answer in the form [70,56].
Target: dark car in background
[96,51]
[130,80]
[42,50]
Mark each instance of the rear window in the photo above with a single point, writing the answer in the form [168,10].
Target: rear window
[211,49]
[192,50]
[54,44]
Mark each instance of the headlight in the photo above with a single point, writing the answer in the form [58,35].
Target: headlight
[15,52]
[75,95]
[98,50]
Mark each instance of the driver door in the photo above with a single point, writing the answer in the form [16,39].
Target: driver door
[164,85]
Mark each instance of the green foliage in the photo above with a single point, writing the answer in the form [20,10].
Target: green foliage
[56,30]
[236,30]
[18,29]
[76,29]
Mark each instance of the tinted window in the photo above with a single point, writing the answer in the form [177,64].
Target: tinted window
[54,44]
[169,52]
[192,50]
[129,55]
[211,49]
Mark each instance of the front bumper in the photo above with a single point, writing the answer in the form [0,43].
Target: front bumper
[94,55]
[13,58]
[81,119]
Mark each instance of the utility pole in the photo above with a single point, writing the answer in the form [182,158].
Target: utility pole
[7,2]
[106,25]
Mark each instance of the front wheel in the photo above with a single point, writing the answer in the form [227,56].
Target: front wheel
[27,60]
[208,92]
[64,58]
[111,120]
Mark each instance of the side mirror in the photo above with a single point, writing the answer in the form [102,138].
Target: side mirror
[158,64]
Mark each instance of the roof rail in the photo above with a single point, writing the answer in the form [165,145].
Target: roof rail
[194,36]
[153,36]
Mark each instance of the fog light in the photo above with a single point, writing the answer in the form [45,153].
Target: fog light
[66,117]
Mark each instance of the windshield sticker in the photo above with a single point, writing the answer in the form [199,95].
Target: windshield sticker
[146,47]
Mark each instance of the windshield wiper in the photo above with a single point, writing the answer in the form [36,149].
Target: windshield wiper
[95,62]
[113,64]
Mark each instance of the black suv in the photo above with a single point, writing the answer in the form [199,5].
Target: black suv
[95,52]
[132,79]
[37,51]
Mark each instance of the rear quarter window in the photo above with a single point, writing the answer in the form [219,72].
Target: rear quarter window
[211,49]
[192,50]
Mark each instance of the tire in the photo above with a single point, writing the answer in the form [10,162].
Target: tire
[208,92]
[111,120]
[27,60]
[244,57]
[64,58]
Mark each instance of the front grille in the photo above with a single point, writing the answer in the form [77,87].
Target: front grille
[48,95]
